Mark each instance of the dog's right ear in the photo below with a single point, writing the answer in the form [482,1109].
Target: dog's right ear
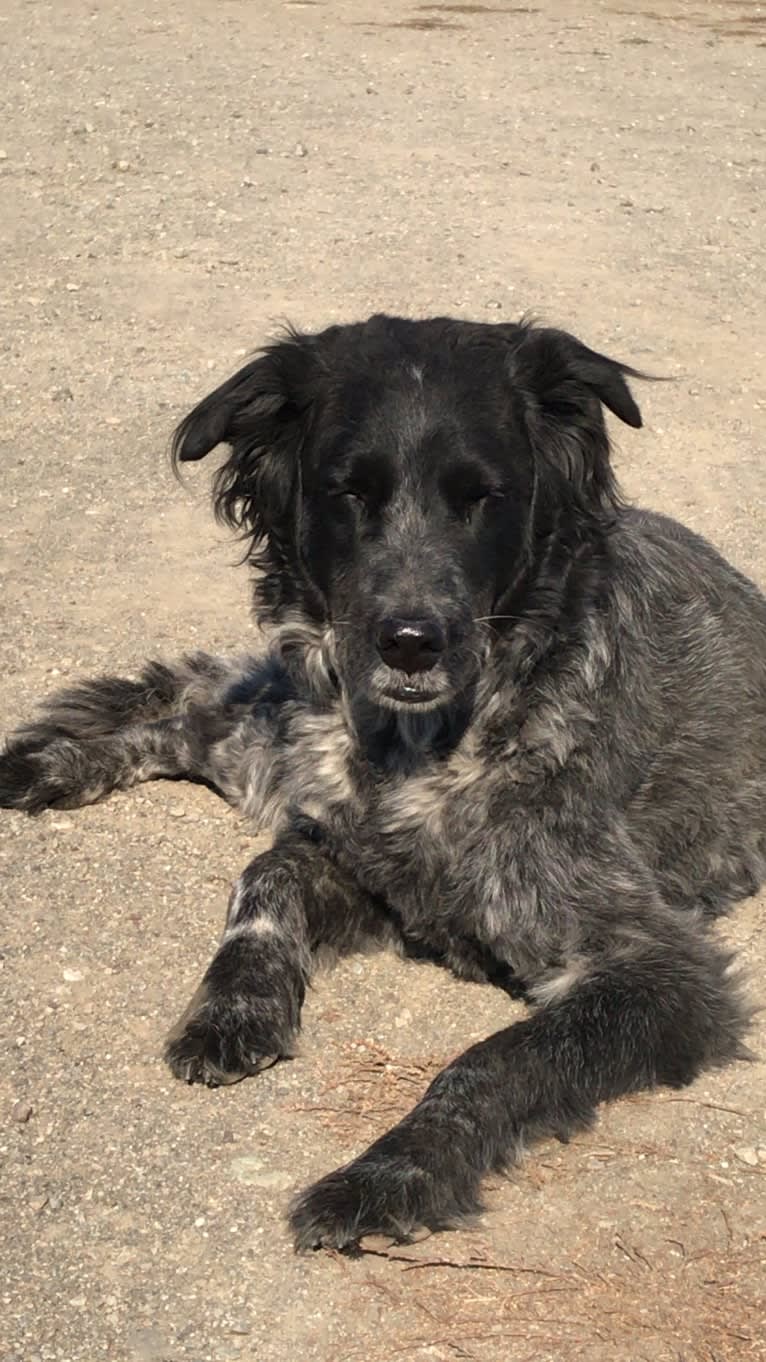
[280,378]
[261,413]
[276,380]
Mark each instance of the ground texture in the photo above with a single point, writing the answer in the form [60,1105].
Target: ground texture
[177,178]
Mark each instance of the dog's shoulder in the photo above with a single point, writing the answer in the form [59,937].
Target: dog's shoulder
[664,559]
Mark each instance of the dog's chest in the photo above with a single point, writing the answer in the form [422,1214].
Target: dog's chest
[402,835]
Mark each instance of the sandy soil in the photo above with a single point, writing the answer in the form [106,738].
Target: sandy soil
[176,179]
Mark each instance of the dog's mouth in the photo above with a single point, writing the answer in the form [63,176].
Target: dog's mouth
[409,695]
[400,691]
[392,689]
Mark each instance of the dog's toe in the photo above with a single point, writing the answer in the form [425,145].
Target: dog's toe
[195,1058]
[369,1197]
[24,782]
[218,1044]
[198,1057]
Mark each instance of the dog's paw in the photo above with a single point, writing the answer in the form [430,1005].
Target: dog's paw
[34,777]
[222,1039]
[378,1194]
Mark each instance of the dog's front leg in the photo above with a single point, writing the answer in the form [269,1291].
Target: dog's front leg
[648,1012]
[47,768]
[289,902]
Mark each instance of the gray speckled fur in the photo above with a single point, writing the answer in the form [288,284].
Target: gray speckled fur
[567,831]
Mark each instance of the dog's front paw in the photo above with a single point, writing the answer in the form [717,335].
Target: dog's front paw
[223,1038]
[34,776]
[379,1194]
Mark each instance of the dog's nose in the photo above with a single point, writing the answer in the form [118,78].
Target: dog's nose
[411,645]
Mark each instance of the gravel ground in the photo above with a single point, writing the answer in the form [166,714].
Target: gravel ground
[176,180]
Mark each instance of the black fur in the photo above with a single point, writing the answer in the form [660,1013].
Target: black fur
[501,721]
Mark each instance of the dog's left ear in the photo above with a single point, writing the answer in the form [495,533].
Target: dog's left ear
[564,385]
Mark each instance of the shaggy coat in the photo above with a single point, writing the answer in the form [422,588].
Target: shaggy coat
[503,722]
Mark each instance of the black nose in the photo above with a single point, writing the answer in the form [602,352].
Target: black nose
[411,645]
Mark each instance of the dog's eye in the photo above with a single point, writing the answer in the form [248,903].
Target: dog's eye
[473,505]
[353,496]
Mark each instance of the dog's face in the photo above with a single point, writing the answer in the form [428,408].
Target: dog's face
[402,482]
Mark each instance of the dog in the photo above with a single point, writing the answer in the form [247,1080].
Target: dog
[502,721]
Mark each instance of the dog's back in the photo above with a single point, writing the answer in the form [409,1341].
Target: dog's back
[693,711]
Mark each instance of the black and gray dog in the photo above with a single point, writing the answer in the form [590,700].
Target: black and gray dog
[502,721]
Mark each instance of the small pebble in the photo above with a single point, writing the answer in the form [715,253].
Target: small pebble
[21,1112]
[300,149]
[377,1243]
[38,1203]
[746,1154]
[176,811]
[250,1170]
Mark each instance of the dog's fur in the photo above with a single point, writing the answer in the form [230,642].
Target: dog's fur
[560,804]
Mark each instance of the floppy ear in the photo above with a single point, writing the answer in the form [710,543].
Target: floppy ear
[565,385]
[261,413]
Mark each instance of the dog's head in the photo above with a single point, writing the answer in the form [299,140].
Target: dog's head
[403,482]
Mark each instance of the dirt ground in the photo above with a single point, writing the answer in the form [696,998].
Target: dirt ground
[177,178]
